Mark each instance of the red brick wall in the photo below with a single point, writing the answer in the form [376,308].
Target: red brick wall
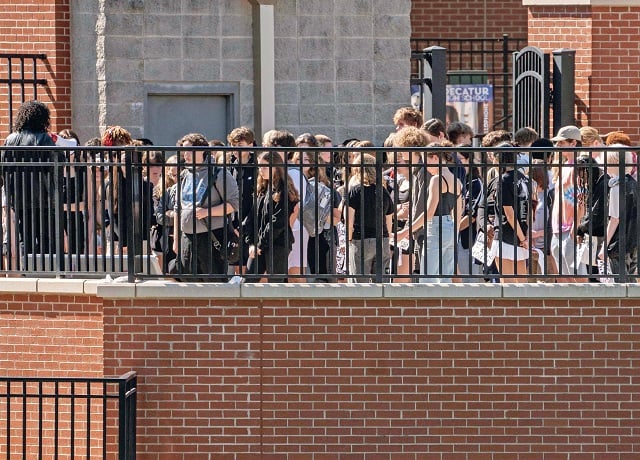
[607,77]
[50,335]
[442,18]
[430,379]
[35,27]
[615,86]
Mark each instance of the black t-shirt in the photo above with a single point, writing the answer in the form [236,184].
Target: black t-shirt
[367,194]
[514,192]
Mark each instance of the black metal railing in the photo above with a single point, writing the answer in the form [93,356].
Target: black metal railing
[20,73]
[68,417]
[111,211]
[489,59]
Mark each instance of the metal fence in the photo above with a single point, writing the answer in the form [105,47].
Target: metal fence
[68,417]
[469,59]
[19,72]
[378,216]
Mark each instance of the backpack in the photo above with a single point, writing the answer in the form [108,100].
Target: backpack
[323,202]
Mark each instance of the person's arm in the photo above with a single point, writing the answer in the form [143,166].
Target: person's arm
[434,198]
[176,231]
[460,207]
[515,225]
[612,226]
[351,218]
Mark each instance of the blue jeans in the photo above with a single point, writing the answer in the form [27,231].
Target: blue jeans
[439,252]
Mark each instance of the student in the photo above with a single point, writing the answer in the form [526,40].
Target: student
[362,221]
[620,250]
[297,256]
[31,194]
[564,214]
[443,217]
[513,205]
[276,199]
[245,173]
[207,197]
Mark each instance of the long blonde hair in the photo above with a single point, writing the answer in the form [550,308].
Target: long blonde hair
[364,170]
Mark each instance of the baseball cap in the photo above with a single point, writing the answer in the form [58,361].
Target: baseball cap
[566,133]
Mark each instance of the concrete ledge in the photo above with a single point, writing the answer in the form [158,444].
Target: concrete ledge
[117,290]
[311,290]
[580,2]
[169,289]
[443,291]
[25,285]
[633,290]
[563,290]
[61,286]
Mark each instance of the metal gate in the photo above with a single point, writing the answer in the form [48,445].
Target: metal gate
[68,417]
[531,81]
[20,73]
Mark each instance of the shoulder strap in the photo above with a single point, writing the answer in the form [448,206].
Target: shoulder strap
[211,182]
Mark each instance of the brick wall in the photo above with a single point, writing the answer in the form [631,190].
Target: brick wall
[607,77]
[35,27]
[615,87]
[395,378]
[45,335]
[471,19]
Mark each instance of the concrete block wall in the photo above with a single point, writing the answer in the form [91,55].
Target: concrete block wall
[342,67]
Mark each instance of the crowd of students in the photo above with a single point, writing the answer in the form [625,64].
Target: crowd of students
[423,207]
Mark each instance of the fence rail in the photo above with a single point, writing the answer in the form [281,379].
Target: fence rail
[106,211]
[68,417]
[491,56]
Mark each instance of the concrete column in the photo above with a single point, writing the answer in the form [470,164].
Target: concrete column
[264,65]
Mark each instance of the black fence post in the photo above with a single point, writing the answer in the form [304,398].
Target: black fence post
[505,81]
[564,91]
[434,100]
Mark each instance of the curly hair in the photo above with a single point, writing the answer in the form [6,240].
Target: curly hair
[410,137]
[32,116]
[116,135]
[240,134]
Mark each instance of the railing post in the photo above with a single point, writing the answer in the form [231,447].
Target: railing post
[133,224]
[127,405]
[434,83]
[564,68]
[505,81]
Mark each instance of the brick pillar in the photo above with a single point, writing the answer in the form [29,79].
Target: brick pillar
[605,35]
[40,27]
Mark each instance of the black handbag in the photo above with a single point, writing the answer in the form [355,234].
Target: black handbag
[232,253]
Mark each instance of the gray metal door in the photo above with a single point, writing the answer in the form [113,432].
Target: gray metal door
[173,110]
[531,77]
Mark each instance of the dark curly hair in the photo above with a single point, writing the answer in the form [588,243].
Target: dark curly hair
[32,116]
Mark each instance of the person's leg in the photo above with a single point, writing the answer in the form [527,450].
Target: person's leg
[432,253]
[449,241]
[354,260]
[280,256]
